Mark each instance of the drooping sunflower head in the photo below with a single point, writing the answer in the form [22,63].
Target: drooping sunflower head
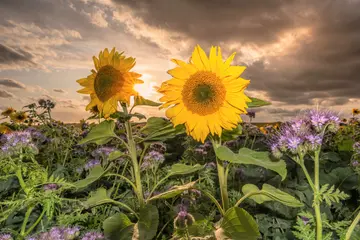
[19,117]
[355,111]
[8,111]
[110,82]
[206,94]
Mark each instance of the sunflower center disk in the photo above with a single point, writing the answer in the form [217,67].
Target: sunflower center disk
[108,82]
[203,93]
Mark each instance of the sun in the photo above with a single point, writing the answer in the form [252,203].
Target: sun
[147,88]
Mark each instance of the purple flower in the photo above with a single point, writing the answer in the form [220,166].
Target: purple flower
[15,142]
[251,114]
[5,236]
[158,146]
[58,233]
[305,220]
[50,187]
[355,163]
[152,159]
[102,152]
[293,142]
[91,163]
[210,165]
[93,236]
[356,147]
[320,118]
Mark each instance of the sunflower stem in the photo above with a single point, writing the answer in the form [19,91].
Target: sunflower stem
[222,175]
[133,155]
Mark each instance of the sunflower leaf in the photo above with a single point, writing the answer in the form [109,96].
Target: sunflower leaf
[148,223]
[256,102]
[101,133]
[95,174]
[248,156]
[238,224]
[160,129]
[99,197]
[118,226]
[139,100]
[182,169]
[174,191]
[270,193]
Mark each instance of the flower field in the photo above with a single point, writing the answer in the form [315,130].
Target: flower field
[199,173]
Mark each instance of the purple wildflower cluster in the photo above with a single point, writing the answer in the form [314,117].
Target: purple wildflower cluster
[152,160]
[5,236]
[37,136]
[93,236]
[102,152]
[356,147]
[92,163]
[251,114]
[58,233]
[158,146]
[203,149]
[183,218]
[50,187]
[304,133]
[15,142]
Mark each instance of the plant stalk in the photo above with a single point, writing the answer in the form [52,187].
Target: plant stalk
[26,218]
[316,201]
[133,155]
[352,227]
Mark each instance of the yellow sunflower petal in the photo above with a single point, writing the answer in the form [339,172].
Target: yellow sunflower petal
[199,59]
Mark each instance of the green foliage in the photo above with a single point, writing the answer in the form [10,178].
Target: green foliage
[139,100]
[101,133]
[256,102]
[159,129]
[238,224]
[118,227]
[146,227]
[248,156]
[270,193]
[95,174]
[330,195]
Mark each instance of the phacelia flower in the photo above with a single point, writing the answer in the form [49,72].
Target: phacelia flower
[5,236]
[50,187]
[16,141]
[152,159]
[93,236]
[102,152]
[58,233]
[91,163]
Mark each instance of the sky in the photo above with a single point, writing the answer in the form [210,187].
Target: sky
[299,54]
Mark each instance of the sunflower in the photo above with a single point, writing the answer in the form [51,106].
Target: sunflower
[110,82]
[263,130]
[4,129]
[8,111]
[19,117]
[355,111]
[206,94]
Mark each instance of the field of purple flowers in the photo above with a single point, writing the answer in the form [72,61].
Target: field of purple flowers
[61,181]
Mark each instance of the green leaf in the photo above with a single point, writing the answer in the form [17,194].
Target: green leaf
[174,191]
[138,115]
[118,227]
[100,196]
[101,133]
[256,102]
[270,193]
[146,227]
[114,155]
[139,100]
[160,129]
[231,134]
[182,169]
[238,224]
[248,156]
[95,173]
[346,144]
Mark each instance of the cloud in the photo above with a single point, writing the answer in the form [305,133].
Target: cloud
[59,90]
[6,94]
[298,52]
[97,17]
[85,98]
[11,83]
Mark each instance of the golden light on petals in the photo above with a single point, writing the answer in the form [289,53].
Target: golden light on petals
[206,94]
[110,82]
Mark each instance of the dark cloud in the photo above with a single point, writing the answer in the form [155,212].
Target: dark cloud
[11,83]
[6,94]
[320,65]
[11,56]
[59,90]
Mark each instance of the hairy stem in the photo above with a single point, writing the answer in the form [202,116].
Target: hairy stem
[316,201]
[36,222]
[26,218]
[133,155]
[352,227]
